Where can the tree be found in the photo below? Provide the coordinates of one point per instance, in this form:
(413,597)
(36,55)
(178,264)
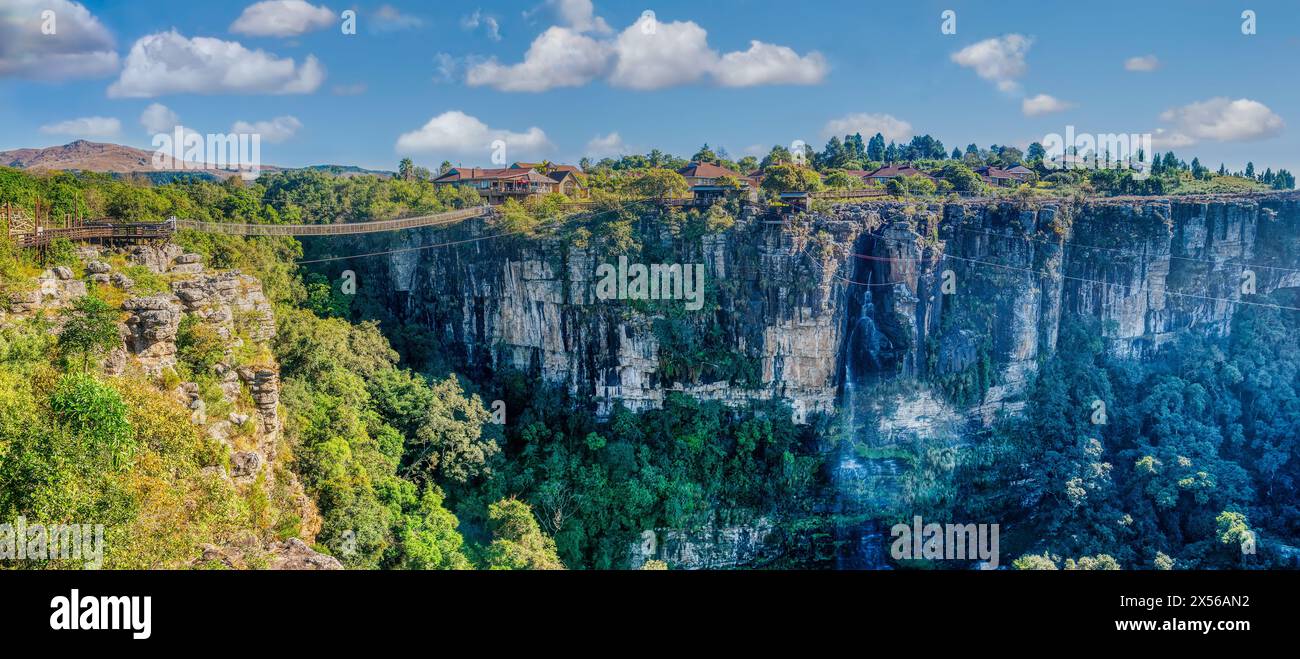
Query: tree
(90,328)
(517,541)
(1034,562)
(876,148)
(962,178)
(779,155)
(1036,153)
(427,535)
(1199,172)
(841,180)
(658,183)
(1250,170)
(447,443)
(406,169)
(791,178)
(94,412)
(1098,562)
(705,154)
(921,185)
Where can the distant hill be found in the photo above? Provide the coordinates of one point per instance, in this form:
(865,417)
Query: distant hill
(348,170)
(81,155)
(85,156)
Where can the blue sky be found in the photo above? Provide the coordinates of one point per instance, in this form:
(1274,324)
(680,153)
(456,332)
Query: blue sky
(599,84)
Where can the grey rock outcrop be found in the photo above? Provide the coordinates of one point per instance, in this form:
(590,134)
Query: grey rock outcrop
(151,331)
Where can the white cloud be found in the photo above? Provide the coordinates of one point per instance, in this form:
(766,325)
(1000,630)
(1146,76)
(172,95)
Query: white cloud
(85,127)
(1164,139)
(606,146)
(1000,59)
(1224,120)
(892,128)
(447,67)
(579,15)
(1144,64)
(455,132)
(560,57)
(389,19)
(1036,106)
(653,55)
(282,18)
(766,64)
(169,63)
(478,19)
(274,131)
(649,54)
(81,47)
(158,118)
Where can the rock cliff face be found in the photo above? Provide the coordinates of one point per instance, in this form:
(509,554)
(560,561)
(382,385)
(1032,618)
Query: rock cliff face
(826,302)
(914,323)
(245,379)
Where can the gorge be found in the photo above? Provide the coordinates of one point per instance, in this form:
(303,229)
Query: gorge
(896,333)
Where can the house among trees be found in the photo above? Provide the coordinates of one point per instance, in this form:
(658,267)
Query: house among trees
(997,176)
(570,181)
(570,177)
(890,172)
(710,182)
(498,185)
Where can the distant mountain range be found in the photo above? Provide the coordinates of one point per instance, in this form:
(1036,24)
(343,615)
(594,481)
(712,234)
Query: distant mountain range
(86,156)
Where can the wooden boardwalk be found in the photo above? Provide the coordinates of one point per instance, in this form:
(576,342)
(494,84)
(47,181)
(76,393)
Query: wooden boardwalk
(160,230)
(334,229)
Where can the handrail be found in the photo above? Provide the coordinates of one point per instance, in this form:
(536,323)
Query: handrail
(165,229)
(331,229)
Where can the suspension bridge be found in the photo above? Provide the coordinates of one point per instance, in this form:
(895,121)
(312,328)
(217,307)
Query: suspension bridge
(28,232)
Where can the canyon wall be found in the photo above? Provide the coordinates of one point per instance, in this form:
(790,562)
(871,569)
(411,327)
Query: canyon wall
(856,295)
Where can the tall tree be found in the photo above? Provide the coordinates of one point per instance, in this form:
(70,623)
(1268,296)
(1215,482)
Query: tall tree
(876,148)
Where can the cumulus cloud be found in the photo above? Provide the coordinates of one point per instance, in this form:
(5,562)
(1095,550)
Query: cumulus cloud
(158,118)
(1042,104)
(389,19)
(1224,120)
(649,54)
(606,146)
(766,64)
(282,18)
(274,131)
(455,132)
(1144,64)
(85,127)
(1000,59)
(169,63)
(560,57)
(1166,139)
(579,15)
(478,19)
(80,47)
(653,54)
(892,128)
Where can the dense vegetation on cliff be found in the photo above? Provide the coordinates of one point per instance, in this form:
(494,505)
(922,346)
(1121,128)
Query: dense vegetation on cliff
(1193,452)
(398,447)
